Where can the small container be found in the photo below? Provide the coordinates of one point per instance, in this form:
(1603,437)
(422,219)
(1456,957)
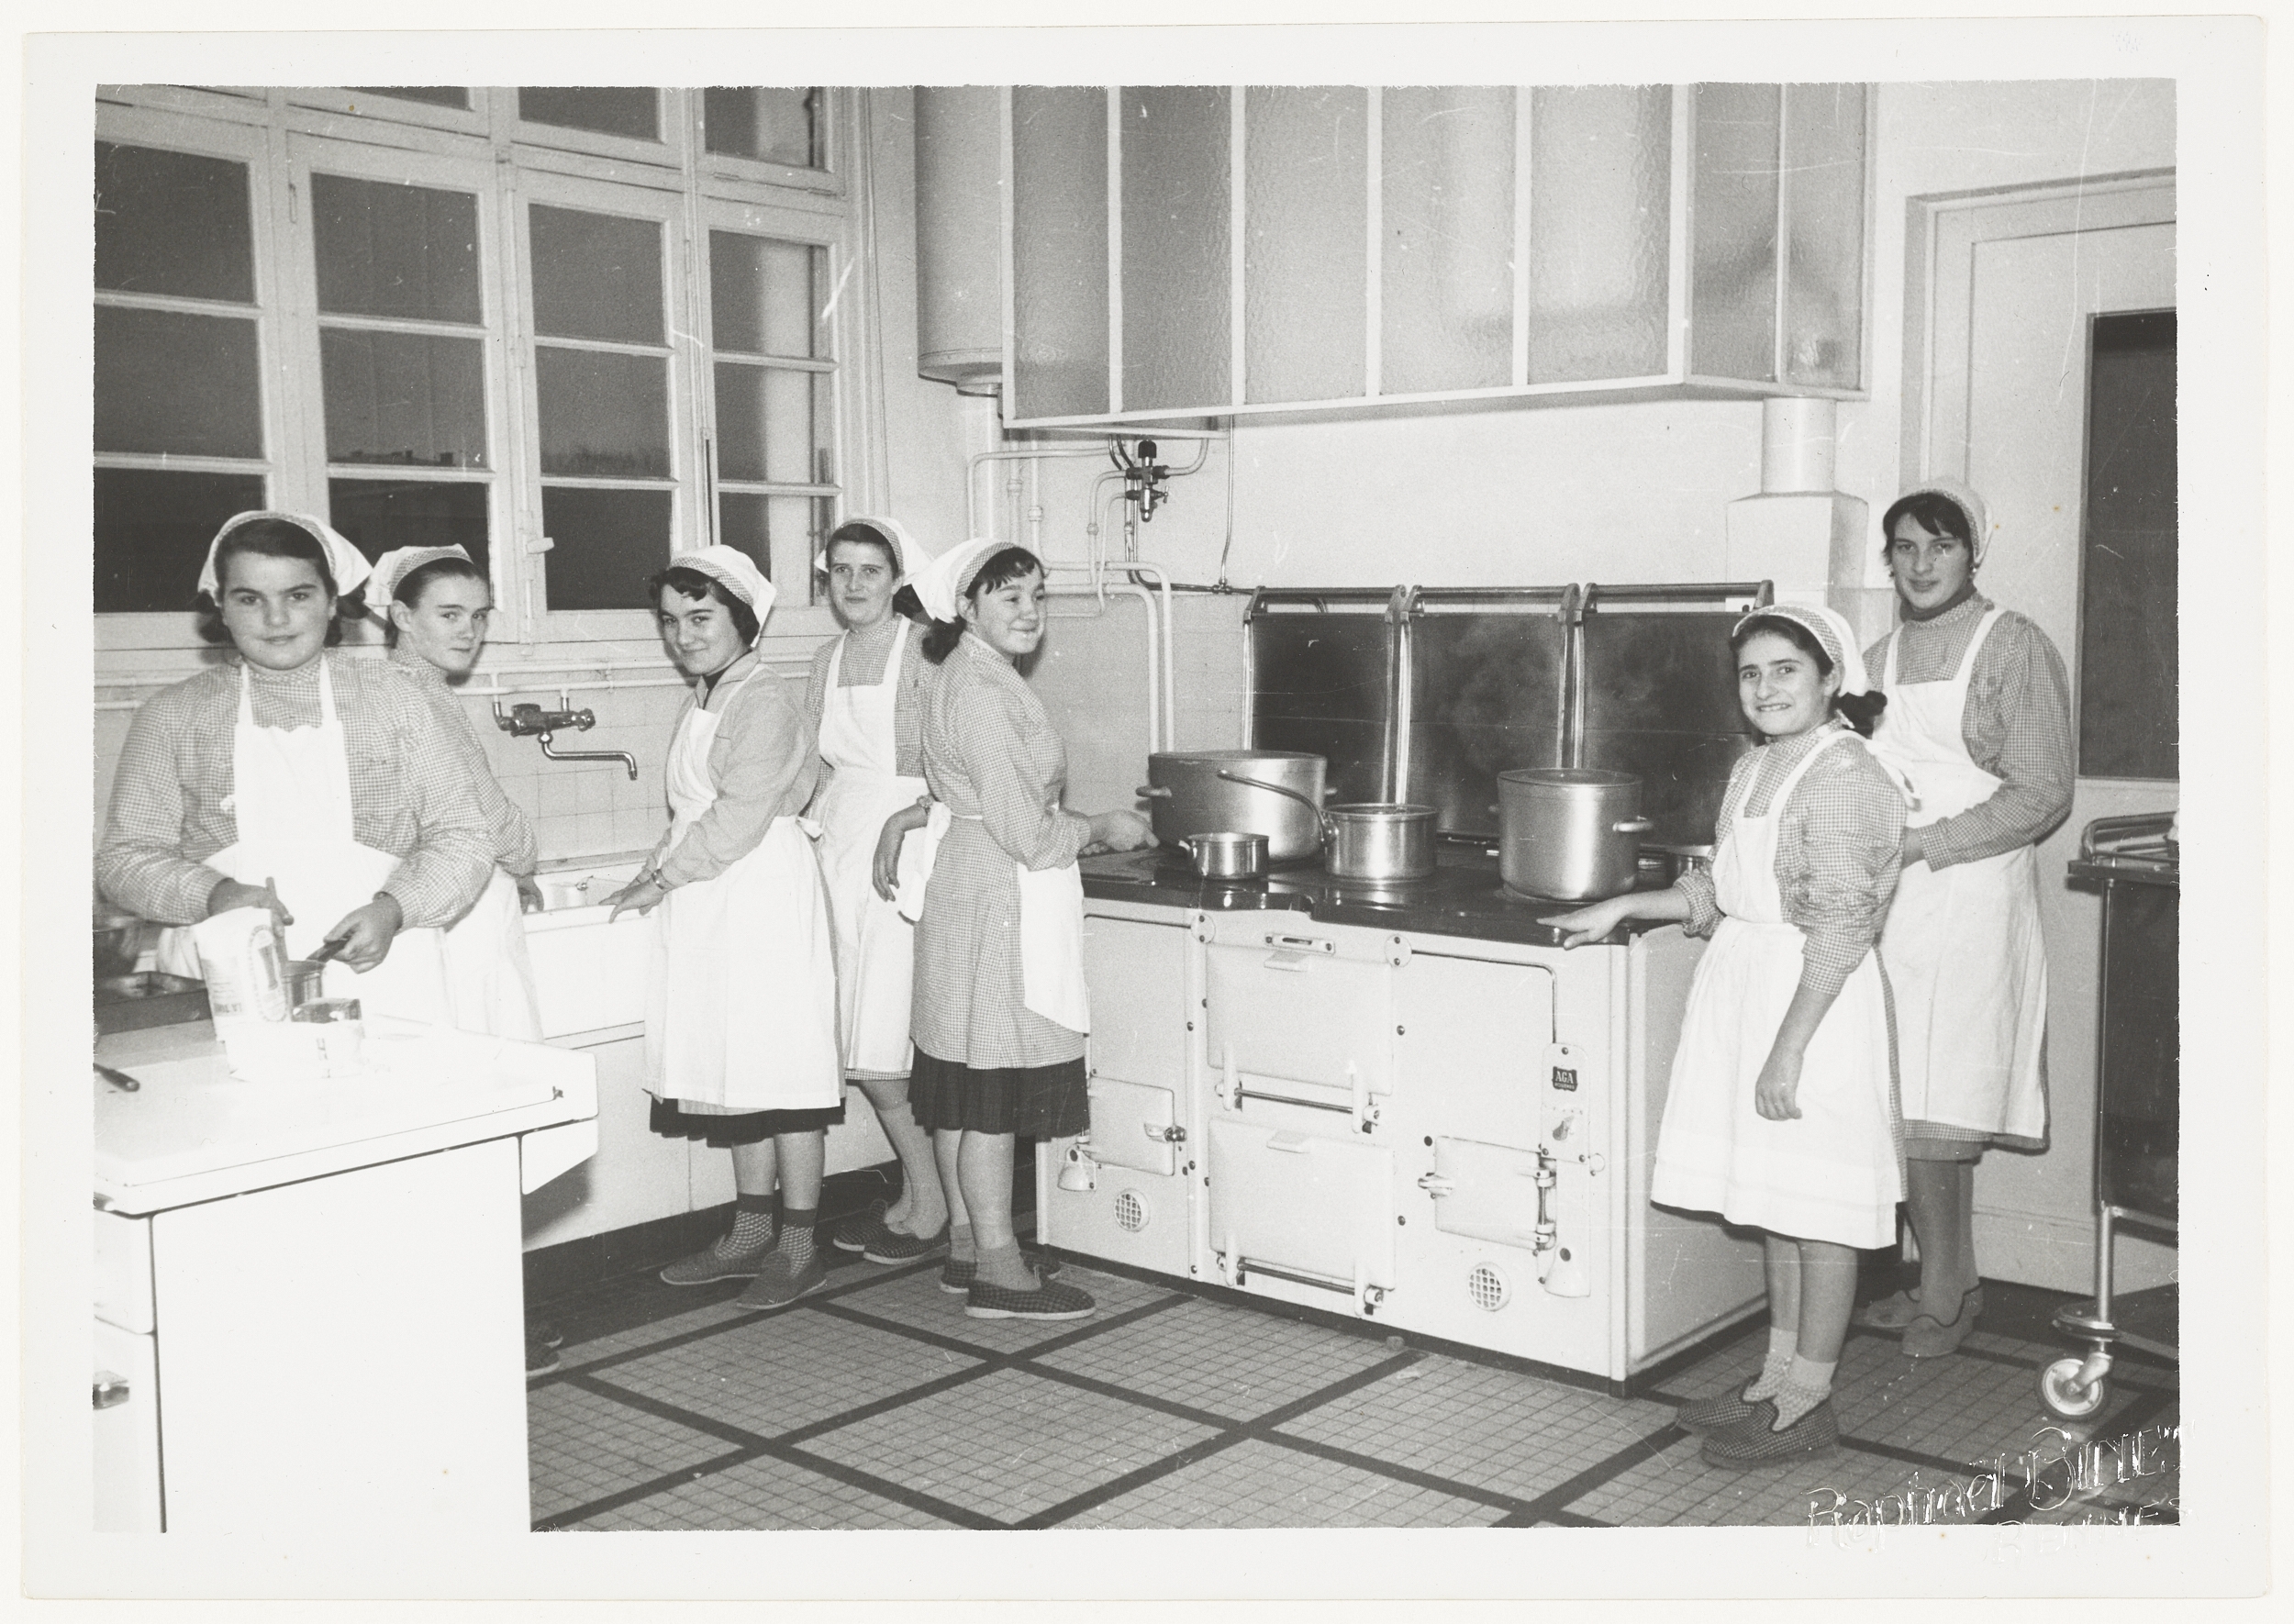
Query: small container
(341,1032)
(240,960)
(1227,855)
(305,982)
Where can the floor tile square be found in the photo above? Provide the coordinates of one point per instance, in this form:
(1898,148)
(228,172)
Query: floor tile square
(1261,1485)
(1493,1429)
(917,1300)
(574,1355)
(1009,1445)
(1224,1358)
(784,1371)
(582,1447)
(1675,1486)
(763,1494)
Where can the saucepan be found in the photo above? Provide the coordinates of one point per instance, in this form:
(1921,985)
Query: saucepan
(1226,855)
(1571,834)
(1192,793)
(1368,840)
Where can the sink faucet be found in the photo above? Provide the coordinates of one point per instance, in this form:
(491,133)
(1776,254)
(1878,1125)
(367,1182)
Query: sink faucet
(530,721)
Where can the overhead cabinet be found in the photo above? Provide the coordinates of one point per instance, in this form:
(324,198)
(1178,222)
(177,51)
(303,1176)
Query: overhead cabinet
(1178,251)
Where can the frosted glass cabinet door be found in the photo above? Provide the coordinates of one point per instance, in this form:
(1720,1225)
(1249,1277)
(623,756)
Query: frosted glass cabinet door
(1059,274)
(1824,191)
(1178,344)
(1733,301)
(1446,246)
(1305,248)
(1600,231)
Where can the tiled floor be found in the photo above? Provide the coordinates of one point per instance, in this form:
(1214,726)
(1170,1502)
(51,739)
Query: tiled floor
(875,1402)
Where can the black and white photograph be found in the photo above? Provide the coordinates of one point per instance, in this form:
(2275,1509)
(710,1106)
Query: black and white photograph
(1255,822)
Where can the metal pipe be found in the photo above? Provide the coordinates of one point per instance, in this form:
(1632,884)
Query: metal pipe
(980,459)
(1099,589)
(623,756)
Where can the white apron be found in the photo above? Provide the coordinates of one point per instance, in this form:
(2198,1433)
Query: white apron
(488,972)
(1832,1172)
(1962,943)
(291,799)
(1051,941)
(740,994)
(876,947)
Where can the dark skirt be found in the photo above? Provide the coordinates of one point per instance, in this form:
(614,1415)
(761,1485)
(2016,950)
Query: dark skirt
(1037,1102)
(746,1128)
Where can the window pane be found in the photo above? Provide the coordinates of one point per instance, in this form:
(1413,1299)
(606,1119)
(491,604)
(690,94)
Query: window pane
(617,110)
(1305,289)
(167,382)
(378,514)
(1446,190)
(603,416)
(1059,250)
(595,276)
(603,545)
(1600,231)
(755,523)
(385,249)
(777,123)
(1178,347)
(172,223)
(1823,295)
(1732,325)
(152,530)
(766,422)
(437,95)
(763,293)
(403,398)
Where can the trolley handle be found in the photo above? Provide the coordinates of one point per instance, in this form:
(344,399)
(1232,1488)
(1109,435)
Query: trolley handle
(2116,828)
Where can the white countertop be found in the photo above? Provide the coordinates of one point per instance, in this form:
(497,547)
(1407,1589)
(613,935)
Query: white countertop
(192,1132)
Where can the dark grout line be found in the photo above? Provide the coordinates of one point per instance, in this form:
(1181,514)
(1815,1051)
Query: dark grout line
(963,1517)
(890,1401)
(1177,1411)
(1905,1457)
(1568,1519)
(1645,1448)
(1002,1357)
(661,1410)
(557,1521)
(1340,1456)
(1138,1477)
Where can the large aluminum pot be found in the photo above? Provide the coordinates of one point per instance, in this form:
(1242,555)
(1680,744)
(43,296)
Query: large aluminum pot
(1571,834)
(1371,840)
(1187,796)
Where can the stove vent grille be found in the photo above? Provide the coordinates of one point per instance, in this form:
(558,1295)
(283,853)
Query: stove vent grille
(1488,1287)
(1130,1212)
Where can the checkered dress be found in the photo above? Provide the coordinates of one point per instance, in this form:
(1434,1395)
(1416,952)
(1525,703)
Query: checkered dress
(990,754)
(516,850)
(409,797)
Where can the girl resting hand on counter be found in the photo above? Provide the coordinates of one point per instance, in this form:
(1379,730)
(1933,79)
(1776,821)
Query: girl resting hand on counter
(1780,1113)
(300,779)
(1000,1011)
(741,1042)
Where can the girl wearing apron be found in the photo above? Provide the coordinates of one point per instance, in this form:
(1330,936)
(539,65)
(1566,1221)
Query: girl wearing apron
(1001,1012)
(1978,724)
(300,780)
(1779,1113)
(436,603)
(741,1044)
(865,697)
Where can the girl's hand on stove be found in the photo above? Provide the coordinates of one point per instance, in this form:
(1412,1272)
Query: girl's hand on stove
(1120,831)
(1591,922)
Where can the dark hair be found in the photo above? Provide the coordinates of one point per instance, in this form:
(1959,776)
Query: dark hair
(905,602)
(1003,567)
(420,580)
(1862,711)
(1933,512)
(279,537)
(697,585)
(867,535)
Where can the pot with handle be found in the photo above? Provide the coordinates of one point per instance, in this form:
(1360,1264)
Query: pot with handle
(1369,839)
(1189,793)
(1226,855)
(1569,834)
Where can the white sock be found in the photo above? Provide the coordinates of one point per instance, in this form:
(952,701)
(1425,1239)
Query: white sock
(1781,1342)
(1807,1385)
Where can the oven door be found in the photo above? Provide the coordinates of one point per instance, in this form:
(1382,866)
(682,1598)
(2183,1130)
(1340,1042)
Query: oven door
(1305,1208)
(1301,1006)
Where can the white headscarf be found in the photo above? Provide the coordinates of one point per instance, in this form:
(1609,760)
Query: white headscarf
(940,587)
(735,572)
(1963,497)
(382,586)
(345,564)
(912,557)
(1830,631)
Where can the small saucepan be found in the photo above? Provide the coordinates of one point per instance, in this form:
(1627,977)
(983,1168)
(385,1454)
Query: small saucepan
(1375,840)
(1226,855)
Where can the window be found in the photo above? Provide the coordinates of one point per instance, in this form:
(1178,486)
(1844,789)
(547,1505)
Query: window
(571,363)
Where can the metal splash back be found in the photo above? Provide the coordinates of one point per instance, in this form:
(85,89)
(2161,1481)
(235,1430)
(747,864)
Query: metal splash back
(1325,669)
(1487,692)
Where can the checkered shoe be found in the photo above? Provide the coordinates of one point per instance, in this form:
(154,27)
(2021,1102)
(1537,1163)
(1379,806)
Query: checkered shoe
(1755,1441)
(861,1230)
(955,1278)
(1052,1300)
(892,1247)
(1722,1410)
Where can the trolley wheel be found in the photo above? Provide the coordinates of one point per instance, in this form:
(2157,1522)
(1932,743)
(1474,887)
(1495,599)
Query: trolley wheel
(2060,1391)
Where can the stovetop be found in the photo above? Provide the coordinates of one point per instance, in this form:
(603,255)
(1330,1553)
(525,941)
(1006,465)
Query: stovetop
(1463,896)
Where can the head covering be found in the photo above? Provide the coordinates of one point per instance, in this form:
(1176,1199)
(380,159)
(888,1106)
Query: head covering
(940,586)
(1963,497)
(345,564)
(1832,633)
(382,586)
(912,557)
(735,572)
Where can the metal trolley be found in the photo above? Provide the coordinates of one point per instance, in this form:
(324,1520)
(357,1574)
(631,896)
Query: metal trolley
(2135,864)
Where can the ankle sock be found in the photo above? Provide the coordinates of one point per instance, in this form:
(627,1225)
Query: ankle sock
(795,1242)
(1781,1344)
(961,1247)
(1002,1266)
(753,1227)
(1807,1385)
